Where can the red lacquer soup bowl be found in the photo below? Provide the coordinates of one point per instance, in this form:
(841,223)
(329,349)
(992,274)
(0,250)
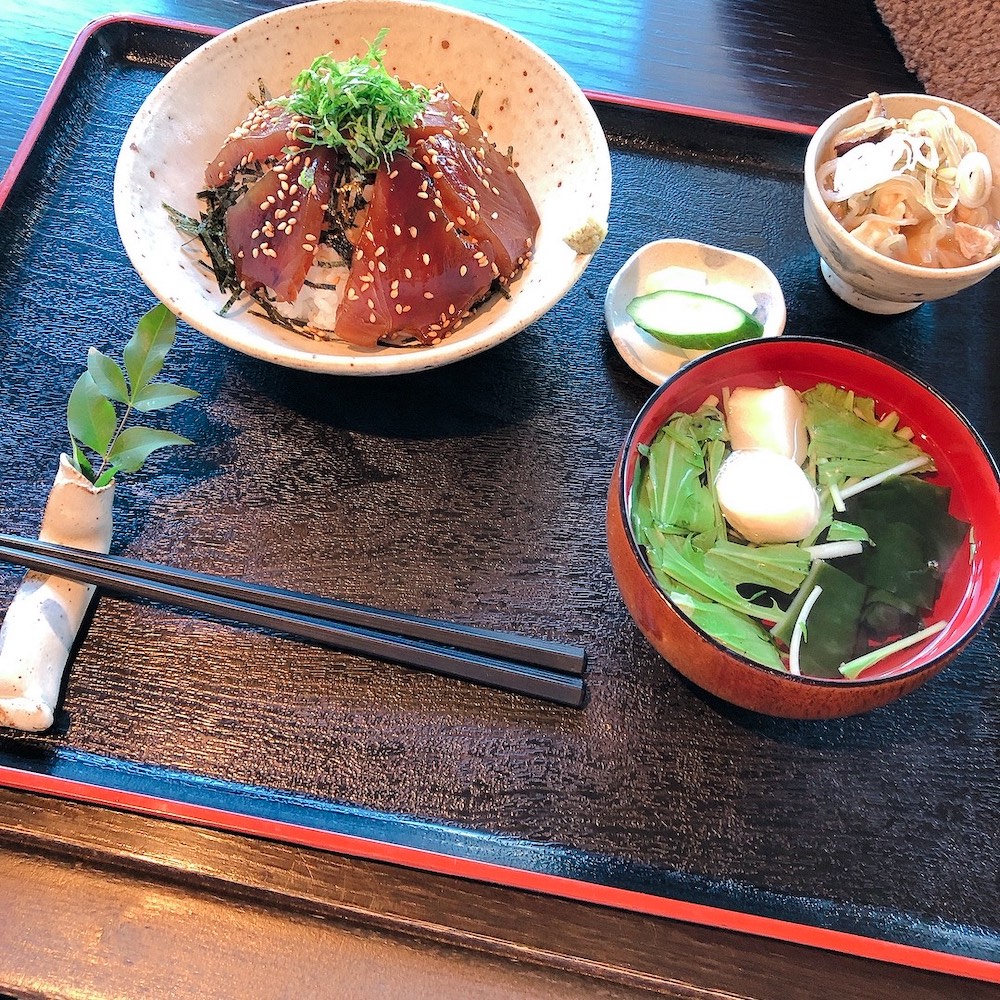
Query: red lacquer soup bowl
(970,588)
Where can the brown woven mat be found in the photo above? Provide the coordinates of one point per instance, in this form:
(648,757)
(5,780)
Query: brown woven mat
(953,46)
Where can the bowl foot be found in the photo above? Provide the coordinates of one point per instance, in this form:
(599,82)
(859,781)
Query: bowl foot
(859,300)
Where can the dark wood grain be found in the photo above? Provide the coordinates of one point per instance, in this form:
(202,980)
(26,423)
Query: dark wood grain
(300,923)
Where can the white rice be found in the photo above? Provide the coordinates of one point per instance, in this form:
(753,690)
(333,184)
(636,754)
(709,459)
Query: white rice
(316,304)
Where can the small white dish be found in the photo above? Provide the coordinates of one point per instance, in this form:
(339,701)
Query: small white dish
(728,274)
(529,103)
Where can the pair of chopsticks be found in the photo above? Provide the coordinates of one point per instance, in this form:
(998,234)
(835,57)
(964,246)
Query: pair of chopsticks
(538,668)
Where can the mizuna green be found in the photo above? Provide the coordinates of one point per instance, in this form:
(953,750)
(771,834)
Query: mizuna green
(754,598)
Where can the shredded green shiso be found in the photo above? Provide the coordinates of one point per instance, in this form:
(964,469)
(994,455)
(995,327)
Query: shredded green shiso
(760,600)
(355,106)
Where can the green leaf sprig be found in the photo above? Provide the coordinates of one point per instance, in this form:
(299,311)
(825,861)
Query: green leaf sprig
(92,417)
(355,106)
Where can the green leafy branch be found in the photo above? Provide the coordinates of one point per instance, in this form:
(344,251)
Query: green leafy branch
(92,417)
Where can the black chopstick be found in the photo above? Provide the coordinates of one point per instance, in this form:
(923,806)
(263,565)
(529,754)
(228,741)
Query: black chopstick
(557,656)
(501,665)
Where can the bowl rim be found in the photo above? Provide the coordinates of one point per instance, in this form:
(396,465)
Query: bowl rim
(813,195)
(299,352)
(623,489)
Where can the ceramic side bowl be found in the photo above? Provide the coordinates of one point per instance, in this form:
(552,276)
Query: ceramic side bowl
(970,589)
(738,276)
(528,103)
(859,275)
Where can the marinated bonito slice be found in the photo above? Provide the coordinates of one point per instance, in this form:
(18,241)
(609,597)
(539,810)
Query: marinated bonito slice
(443,114)
(413,271)
(273,231)
(478,184)
(267,135)
(480,189)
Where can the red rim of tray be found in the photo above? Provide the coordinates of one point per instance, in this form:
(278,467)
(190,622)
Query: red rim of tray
(431,861)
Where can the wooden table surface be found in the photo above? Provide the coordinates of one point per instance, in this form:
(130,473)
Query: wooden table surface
(102,903)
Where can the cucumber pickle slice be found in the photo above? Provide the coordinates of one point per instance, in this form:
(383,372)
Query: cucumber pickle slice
(693,319)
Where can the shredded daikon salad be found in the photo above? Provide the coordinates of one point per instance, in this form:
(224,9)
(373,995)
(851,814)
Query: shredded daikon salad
(917,190)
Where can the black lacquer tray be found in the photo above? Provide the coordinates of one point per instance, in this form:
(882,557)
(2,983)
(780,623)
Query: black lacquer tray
(476,492)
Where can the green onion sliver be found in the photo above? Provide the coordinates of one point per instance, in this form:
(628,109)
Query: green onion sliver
(798,629)
(846,492)
(852,668)
(834,550)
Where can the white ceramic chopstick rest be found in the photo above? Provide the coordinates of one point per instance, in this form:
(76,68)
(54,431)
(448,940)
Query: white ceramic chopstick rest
(46,612)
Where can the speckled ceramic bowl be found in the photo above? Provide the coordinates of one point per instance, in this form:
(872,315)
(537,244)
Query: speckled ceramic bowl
(970,588)
(863,277)
(528,103)
(723,270)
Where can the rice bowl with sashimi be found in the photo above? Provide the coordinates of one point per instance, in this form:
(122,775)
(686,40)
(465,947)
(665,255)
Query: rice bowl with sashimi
(498,212)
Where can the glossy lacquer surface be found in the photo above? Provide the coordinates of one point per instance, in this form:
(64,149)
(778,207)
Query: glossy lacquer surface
(477,492)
